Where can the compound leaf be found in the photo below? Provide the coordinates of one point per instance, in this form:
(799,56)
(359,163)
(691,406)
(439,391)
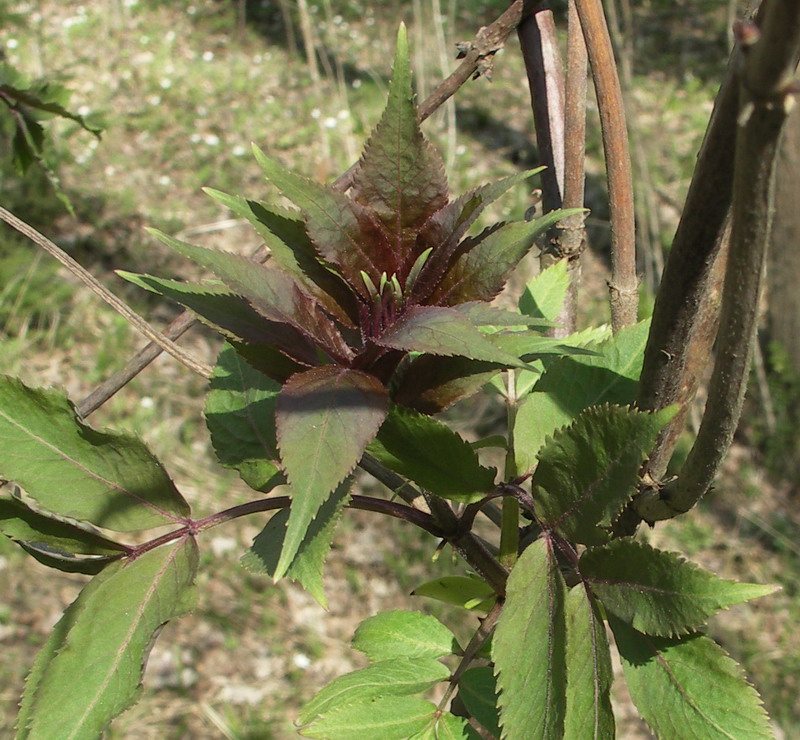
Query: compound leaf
(403,634)
(240,414)
(325,419)
(589,672)
(529,647)
(109,479)
(432,455)
(656,592)
(103,642)
(689,687)
(589,471)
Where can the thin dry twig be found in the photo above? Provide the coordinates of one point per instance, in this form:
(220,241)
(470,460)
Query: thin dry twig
(623,287)
(100,290)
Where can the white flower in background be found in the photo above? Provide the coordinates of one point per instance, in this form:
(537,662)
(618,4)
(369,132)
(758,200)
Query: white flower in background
(330,122)
(164,180)
(301,660)
(238,151)
(316,113)
(165,83)
(208,56)
(211,139)
(12,44)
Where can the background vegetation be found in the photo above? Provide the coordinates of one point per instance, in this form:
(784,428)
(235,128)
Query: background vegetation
(182,88)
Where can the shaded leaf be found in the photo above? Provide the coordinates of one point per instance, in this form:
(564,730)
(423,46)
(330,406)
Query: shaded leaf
(309,562)
(572,384)
(325,419)
(273,293)
(530,345)
(386,718)
(544,296)
(345,233)
(22,524)
(400,176)
(589,671)
(285,236)
(463,591)
(403,634)
(588,471)
(483,314)
(240,414)
(689,687)
(432,455)
(131,600)
(395,677)
(433,383)
(529,647)
(656,592)
(440,330)
(477,689)
(231,315)
(446,727)
(109,479)
(482,272)
(66,562)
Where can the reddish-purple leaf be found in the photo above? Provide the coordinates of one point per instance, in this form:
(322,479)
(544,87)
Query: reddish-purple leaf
(325,419)
(401,177)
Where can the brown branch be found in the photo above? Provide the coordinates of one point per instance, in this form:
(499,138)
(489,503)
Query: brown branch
(770,60)
(623,286)
(100,290)
(539,45)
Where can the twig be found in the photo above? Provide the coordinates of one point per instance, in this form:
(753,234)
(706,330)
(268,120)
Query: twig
(623,286)
(770,61)
(96,287)
(539,46)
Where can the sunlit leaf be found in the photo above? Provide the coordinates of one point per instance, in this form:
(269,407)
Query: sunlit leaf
(463,591)
(394,677)
(659,593)
(109,479)
(309,562)
(446,727)
(432,455)
(403,634)
(240,414)
(385,718)
(545,294)
(325,419)
(588,471)
(589,672)
(529,648)
(400,176)
(689,688)
(92,669)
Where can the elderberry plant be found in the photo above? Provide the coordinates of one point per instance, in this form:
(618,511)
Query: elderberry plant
(372,315)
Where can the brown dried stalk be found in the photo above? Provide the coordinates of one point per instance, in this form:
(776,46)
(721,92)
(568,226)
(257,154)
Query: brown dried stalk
(623,290)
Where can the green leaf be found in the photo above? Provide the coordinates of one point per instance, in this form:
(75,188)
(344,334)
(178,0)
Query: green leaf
(233,317)
(66,562)
(403,634)
(22,524)
(482,272)
(590,470)
(432,455)
(326,417)
(572,384)
(531,345)
(346,234)
(395,677)
(90,675)
(483,314)
(109,479)
(240,414)
(589,672)
(309,562)
(463,591)
(386,718)
(689,688)
(529,647)
(446,727)
(544,296)
(659,593)
(433,383)
(477,689)
(401,176)
(440,330)
(285,235)
(273,293)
